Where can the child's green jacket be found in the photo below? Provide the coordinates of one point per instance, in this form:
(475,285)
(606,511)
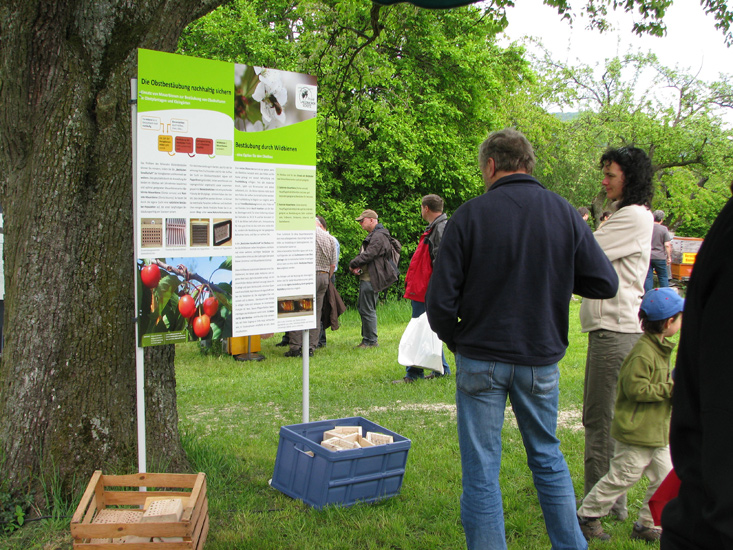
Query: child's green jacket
(644,394)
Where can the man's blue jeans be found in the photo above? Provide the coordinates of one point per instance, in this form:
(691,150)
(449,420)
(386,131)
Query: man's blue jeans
(660,266)
(482,388)
(418,308)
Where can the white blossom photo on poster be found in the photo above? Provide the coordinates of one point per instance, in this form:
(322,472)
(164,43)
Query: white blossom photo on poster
(264,98)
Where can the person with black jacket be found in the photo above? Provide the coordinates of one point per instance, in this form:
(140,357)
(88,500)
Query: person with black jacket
(701,439)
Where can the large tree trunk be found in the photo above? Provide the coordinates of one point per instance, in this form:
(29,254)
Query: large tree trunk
(67,378)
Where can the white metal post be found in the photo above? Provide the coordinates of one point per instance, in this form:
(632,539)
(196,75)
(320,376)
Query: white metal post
(306,374)
(139,351)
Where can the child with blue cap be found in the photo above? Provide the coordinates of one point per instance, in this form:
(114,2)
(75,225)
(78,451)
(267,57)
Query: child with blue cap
(640,425)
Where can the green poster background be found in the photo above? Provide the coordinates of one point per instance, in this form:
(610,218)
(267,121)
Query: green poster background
(294,144)
(171,81)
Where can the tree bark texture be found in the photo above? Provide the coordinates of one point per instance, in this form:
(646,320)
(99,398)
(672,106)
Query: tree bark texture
(67,377)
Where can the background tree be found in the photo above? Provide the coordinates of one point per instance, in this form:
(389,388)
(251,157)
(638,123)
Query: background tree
(67,378)
(682,130)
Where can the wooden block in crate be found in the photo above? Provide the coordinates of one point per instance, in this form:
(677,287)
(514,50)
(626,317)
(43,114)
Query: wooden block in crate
(150,500)
(164,509)
(379,439)
(106,496)
(108,515)
(338,444)
(347,429)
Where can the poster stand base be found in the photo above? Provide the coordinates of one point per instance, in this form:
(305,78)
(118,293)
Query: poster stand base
(249,357)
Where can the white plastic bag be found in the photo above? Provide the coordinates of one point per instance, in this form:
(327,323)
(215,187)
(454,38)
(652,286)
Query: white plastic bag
(420,346)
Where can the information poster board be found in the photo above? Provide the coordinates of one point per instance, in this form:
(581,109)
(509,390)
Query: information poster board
(224,199)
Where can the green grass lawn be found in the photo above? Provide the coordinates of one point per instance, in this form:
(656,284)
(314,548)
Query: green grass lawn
(231,413)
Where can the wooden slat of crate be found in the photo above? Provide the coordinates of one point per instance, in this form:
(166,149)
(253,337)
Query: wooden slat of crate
(91,511)
(150,480)
(86,500)
(193,512)
(116,530)
(137,498)
(202,524)
(198,492)
(186,545)
(204,533)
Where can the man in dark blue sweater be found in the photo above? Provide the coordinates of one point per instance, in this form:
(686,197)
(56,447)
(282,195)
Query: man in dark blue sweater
(508,265)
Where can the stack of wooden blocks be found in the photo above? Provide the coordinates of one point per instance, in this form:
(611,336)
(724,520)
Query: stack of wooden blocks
(341,438)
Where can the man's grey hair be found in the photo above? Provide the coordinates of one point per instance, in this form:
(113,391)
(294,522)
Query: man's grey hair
(659,215)
(511,151)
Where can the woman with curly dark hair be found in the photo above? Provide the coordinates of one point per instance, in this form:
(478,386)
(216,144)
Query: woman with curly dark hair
(613,325)
(636,168)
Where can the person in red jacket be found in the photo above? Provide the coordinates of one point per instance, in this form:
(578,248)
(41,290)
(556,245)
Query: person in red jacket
(421,268)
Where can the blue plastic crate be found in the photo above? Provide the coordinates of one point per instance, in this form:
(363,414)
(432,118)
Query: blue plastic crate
(338,477)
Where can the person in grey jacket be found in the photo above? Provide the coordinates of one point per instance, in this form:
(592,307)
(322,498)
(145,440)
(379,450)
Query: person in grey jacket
(420,270)
(376,267)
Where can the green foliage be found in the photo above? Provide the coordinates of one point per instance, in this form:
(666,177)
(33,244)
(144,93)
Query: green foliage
(251,32)
(12,511)
(682,131)
(39,525)
(402,118)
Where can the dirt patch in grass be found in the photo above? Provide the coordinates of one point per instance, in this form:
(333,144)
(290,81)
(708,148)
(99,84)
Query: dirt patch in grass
(570,419)
(215,418)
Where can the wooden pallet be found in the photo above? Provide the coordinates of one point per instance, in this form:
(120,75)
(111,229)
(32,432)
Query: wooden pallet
(109,513)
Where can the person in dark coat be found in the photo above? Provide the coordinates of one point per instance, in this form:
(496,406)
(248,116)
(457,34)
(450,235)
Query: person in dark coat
(509,263)
(701,437)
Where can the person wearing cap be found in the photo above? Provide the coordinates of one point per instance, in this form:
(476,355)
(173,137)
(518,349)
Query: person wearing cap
(640,426)
(377,269)
(661,256)
(509,262)
(613,324)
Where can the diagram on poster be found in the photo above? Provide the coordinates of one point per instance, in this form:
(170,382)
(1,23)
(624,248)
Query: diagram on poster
(225,198)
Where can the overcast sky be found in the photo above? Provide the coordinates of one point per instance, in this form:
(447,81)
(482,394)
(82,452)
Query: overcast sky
(692,41)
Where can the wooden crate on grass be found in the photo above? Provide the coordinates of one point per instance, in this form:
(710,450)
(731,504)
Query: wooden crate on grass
(110,513)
